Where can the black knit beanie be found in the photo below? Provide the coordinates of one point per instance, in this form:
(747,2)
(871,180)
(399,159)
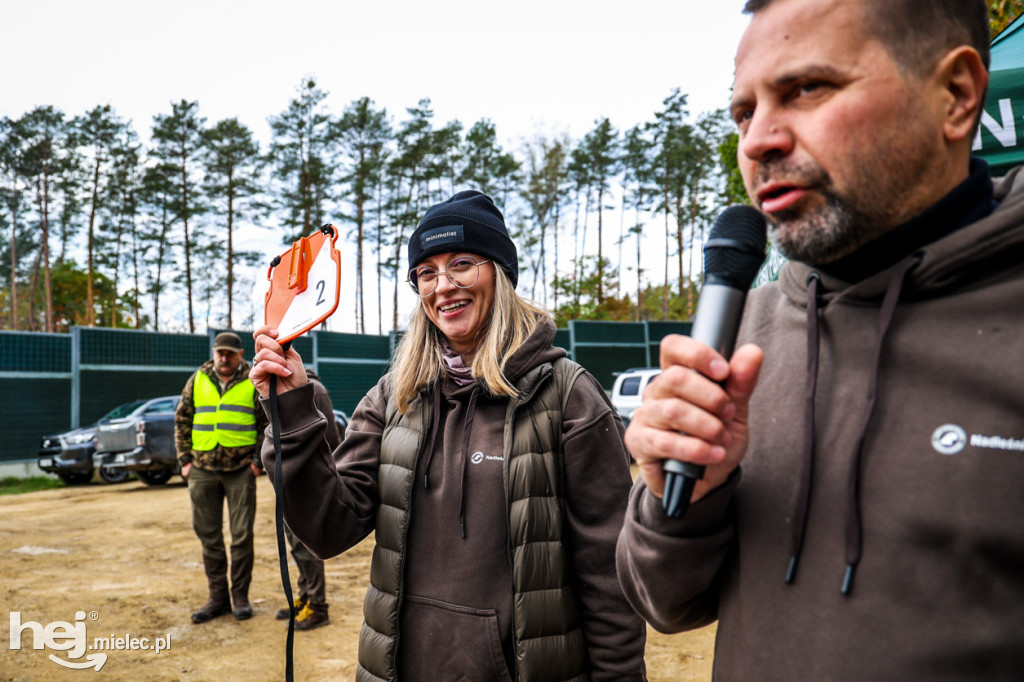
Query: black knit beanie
(469,222)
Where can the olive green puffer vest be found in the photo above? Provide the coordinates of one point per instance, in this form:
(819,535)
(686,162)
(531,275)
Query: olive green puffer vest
(549,641)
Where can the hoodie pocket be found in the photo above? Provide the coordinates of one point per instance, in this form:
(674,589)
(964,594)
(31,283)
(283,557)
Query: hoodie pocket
(446,642)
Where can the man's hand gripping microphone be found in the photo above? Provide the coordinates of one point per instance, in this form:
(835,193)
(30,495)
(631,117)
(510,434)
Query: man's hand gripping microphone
(732,257)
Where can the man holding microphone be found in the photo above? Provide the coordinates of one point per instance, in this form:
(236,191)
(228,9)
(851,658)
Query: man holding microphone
(859,516)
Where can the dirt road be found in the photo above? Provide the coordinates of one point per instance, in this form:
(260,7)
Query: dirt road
(126,557)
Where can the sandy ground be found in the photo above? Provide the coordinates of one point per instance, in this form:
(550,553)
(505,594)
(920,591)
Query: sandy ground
(126,557)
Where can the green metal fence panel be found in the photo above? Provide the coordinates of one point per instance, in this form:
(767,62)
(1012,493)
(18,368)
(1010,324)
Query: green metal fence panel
(34,352)
(113,347)
(302,345)
(54,382)
(350,364)
(604,364)
(104,389)
(354,346)
(599,331)
(563,340)
(32,407)
(607,348)
(36,376)
(657,330)
(348,382)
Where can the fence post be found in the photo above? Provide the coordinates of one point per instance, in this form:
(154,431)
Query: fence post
(572,339)
(647,344)
(76,383)
(315,337)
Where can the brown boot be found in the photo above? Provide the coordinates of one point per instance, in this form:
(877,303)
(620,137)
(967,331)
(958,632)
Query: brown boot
(312,616)
(243,610)
(217,582)
(210,610)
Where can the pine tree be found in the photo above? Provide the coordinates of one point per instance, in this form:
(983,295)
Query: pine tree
(68,182)
(671,139)
(545,175)
(1002,13)
(362,133)
(706,194)
(97,131)
(13,168)
(446,157)
(579,175)
(735,192)
(410,169)
(637,191)
(380,232)
(233,165)
(45,131)
(158,194)
(301,159)
(482,159)
(179,144)
(600,154)
(116,234)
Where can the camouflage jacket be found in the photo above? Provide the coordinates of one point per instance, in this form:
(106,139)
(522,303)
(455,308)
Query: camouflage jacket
(221,458)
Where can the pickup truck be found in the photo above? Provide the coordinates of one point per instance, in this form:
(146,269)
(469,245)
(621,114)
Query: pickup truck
(141,442)
(69,454)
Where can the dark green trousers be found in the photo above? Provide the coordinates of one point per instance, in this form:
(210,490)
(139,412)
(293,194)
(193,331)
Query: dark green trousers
(208,491)
(312,587)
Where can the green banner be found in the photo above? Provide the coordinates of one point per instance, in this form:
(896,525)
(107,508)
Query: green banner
(1000,140)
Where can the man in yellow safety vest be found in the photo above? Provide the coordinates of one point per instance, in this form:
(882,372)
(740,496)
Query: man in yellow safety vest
(218,433)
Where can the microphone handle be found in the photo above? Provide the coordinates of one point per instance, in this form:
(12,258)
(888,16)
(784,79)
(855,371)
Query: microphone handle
(716,323)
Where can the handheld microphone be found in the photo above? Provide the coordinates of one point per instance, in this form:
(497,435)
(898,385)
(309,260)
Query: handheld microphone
(732,257)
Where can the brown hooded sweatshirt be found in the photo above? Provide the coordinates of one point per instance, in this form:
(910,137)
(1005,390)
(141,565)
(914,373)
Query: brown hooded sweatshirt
(886,458)
(456,608)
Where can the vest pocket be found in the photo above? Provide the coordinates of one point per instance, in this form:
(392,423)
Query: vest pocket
(442,641)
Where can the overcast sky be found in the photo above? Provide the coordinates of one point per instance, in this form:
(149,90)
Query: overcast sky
(527,65)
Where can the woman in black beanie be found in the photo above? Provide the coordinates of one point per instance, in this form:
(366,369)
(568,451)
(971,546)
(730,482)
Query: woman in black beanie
(491,469)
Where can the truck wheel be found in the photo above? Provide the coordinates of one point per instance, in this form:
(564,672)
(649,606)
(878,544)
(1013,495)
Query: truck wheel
(111,474)
(77,478)
(155,477)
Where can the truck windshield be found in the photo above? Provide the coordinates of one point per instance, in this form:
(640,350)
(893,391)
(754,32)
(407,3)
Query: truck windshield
(122,411)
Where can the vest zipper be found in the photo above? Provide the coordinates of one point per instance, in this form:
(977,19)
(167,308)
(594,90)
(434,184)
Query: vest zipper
(405,532)
(507,452)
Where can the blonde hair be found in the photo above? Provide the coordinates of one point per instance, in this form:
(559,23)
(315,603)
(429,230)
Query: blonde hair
(418,360)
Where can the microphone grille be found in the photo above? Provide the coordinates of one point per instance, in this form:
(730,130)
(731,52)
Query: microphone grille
(736,246)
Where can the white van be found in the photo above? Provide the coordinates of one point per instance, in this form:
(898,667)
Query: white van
(628,390)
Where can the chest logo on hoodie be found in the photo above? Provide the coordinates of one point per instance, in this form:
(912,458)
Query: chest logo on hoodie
(949,439)
(478,457)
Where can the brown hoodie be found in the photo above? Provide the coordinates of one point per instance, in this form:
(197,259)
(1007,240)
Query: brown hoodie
(917,503)
(457,588)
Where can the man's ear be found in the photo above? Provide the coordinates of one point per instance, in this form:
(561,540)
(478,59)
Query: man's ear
(964,80)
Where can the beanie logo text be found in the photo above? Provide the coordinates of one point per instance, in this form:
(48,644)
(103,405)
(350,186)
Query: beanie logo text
(448,234)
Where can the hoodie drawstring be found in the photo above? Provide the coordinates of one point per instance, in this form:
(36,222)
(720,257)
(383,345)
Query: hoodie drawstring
(433,434)
(470,410)
(854,530)
(803,500)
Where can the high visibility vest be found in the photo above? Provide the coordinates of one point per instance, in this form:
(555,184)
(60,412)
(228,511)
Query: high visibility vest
(228,420)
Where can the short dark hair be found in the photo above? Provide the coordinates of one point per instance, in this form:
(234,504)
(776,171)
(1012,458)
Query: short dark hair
(917,32)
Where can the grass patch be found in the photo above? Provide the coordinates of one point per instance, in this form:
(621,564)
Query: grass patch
(12,485)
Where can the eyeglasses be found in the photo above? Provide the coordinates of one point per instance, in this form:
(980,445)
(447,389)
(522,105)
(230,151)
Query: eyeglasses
(463,272)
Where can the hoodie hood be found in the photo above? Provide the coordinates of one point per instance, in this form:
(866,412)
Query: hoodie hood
(537,350)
